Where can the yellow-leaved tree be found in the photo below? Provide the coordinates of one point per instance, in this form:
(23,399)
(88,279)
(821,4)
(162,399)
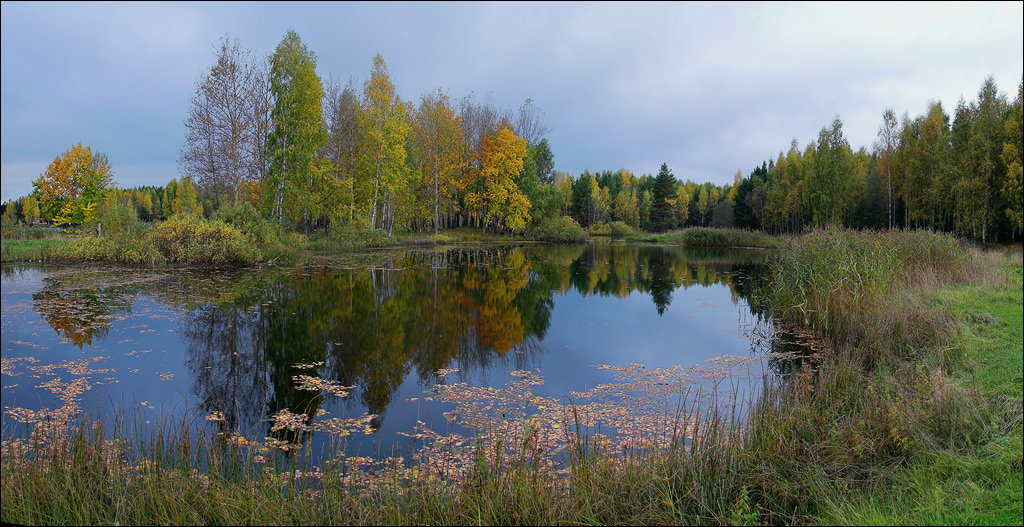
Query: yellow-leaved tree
(381,166)
(70,190)
(501,156)
(440,144)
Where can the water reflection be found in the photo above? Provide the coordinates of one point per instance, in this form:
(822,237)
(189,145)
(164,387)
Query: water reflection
(247,335)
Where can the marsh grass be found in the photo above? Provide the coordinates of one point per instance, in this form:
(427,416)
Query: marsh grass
(898,393)
(29,250)
(544,461)
(711,237)
(19,243)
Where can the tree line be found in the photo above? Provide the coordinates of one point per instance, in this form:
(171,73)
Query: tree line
(269,132)
(960,175)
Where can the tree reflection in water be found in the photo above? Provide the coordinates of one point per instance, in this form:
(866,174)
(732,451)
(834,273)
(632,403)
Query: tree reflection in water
(248,334)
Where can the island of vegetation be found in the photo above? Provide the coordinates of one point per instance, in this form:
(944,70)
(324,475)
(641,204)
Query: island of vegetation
(911,412)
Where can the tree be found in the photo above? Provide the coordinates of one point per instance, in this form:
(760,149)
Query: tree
(344,141)
(625,207)
(170,193)
(1012,149)
(145,204)
(223,124)
(530,123)
(662,215)
(30,209)
(477,120)
(826,184)
(986,145)
(644,209)
(385,130)
(886,146)
(297,187)
(930,175)
(704,204)
(582,195)
(501,160)
(543,162)
(185,201)
(70,190)
(440,147)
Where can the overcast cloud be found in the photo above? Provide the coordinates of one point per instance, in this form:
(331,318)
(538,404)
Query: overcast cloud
(707,88)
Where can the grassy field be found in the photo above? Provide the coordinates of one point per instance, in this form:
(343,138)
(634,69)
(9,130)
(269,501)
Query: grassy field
(28,250)
(911,414)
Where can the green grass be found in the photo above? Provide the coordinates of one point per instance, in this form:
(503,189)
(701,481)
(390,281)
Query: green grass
(20,243)
(966,486)
(29,250)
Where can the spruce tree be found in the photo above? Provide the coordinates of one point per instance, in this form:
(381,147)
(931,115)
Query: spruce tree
(662,216)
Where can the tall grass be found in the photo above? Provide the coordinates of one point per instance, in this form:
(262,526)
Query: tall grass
(860,288)
(712,237)
(168,474)
(883,396)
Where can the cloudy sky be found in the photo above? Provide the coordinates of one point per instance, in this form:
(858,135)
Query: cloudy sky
(707,88)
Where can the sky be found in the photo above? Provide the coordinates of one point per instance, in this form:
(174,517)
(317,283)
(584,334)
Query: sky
(708,88)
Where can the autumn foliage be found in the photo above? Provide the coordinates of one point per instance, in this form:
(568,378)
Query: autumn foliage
(72,186)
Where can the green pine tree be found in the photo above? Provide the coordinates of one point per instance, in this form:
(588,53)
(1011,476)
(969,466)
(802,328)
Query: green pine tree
(662,215)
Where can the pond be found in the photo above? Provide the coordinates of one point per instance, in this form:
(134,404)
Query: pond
(392,348)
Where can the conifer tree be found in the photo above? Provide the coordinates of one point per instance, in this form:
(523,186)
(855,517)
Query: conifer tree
(662,214)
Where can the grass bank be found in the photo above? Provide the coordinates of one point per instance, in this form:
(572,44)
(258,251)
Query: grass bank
(19,243)
(980,483)
(914,416)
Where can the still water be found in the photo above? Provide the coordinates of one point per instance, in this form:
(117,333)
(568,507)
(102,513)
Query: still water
(361,341)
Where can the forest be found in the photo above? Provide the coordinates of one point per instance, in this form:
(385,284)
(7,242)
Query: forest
(312,154)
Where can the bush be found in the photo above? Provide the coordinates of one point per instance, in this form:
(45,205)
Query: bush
(120,247)
(621,229)
(599,229)
(355,234)
(191,240)
(560,230)
(257,230)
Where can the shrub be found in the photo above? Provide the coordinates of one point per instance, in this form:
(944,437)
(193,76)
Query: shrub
(191,240)
(599,229)
(560,230)
(621,229)
(356,234)
(244,218)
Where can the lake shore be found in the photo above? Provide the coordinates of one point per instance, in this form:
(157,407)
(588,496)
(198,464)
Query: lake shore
(140,249)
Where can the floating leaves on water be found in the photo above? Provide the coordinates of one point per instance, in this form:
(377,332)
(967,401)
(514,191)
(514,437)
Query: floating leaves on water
(286,419)
(7,365)
(316,384)
(216,416)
